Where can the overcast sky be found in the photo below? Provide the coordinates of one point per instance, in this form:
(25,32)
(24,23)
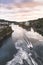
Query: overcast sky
(18,1)
(31,9)
(14,1)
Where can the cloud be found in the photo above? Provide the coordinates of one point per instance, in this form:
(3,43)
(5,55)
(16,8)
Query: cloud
(27,0)
(38,0)
(22,14)
(6,1)
(14,1)
(18,1)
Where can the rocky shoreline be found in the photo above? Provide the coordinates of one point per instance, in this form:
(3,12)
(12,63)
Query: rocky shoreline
(5,33)
(37,24)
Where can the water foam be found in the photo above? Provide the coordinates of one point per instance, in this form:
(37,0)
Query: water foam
(23,45)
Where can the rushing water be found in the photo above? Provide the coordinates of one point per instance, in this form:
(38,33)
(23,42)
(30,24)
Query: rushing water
(22,48)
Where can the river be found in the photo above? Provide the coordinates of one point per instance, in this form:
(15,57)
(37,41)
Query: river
(22,48)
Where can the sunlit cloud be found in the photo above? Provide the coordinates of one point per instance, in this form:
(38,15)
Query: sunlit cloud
(21,15)
(22,12)
(38,0)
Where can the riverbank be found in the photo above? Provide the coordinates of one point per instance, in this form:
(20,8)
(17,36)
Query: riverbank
(37,25)
(5,32)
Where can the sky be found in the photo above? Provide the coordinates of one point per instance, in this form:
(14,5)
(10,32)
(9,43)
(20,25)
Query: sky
(18,1)
(14,1)
(21,10)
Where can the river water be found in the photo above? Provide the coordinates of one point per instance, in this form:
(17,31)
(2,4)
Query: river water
(22,48)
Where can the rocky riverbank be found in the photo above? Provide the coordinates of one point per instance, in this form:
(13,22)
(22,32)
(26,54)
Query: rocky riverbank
(37,25)
(5,32)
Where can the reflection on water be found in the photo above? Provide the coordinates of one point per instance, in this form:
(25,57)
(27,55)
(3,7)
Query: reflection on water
(22,48)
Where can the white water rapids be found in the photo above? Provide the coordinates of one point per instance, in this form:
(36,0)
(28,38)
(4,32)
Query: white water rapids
(25,55)
(22,48)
